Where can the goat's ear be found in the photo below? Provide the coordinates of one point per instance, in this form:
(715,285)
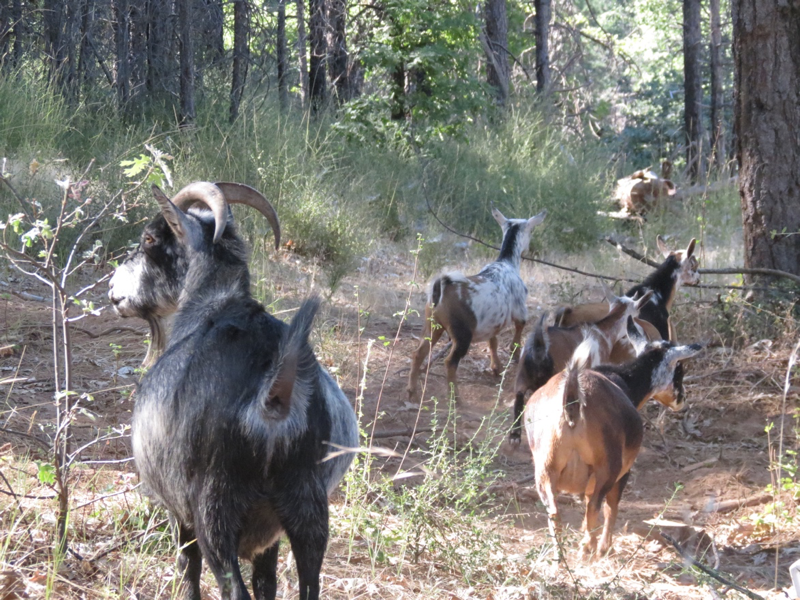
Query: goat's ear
(537,220)
(636,336)
(690,248)
(643,300)
(175,217)
(498,216)
(662,246)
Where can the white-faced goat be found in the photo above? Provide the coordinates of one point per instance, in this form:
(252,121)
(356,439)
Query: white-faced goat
(477,308)
(548,350)
(232,422)
(679,268)
(585,431)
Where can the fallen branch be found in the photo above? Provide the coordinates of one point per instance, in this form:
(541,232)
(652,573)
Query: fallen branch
(730,271)
(378,435)
(708,570)
(731,505)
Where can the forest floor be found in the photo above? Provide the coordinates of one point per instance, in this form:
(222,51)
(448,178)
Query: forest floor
(695,473)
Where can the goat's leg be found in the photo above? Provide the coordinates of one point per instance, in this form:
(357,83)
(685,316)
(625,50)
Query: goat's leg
(221,554)
(190,563)
(519,405)
(606,479)
(547,493)
(462,337)
(304,515)
(265,573)
(430,335)
(495,364)
(610,512)
(516,343)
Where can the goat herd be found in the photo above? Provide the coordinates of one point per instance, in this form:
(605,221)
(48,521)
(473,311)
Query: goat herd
(235,417)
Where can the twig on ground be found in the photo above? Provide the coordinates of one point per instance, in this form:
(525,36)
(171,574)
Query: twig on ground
(708,570)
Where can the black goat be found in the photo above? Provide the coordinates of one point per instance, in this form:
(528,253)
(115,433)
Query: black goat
(231,422)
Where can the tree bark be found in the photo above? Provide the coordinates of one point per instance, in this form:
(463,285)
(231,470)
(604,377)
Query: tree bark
(241,54)
(86,60)
(496,20)
(213,23)
(338,64)
(717,126)
(18,28)
(302,51)
(121,27)
(137,52)
(186,45)
(56,21)
(542,34)
(693,92)
(283,84)
(319,55)
(398,93)
(766,49)
(161,27)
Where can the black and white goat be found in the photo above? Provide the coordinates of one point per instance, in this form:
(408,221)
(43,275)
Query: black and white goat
(232,422)
(477,308)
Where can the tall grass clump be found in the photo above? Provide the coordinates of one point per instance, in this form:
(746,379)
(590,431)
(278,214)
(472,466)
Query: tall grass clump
(522,166)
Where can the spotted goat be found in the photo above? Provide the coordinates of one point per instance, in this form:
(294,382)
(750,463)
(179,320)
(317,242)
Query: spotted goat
(477,308)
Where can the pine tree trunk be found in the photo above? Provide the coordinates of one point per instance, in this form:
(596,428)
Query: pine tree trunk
(187,62)
(693,92)
(319,54)
(302,51)
(160,73)
(717,132)
(497,40)
(766,49)
(283,84)
(338,65)
(138,46)
(241,54)
(542,34)
(121,43)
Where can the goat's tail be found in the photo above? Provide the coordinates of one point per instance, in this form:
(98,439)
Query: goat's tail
(295,364)
(536,346)
(581,360)
(436,289)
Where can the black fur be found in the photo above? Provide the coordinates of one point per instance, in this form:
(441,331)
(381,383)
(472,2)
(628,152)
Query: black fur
(507,250)
(234,463)
(535,370)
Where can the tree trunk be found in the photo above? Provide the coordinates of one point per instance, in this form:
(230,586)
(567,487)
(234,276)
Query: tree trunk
(497,41)
(319,54)
(213,22)
(137,53)
(717,131)
(302,50)
(398,93)
(18,27)
(766,49)
(542,25)
(241,53)
(338,66)
(283,84)
(56,19)
(87,59)
(161,24)
(122,44)
(187,62)
(693,92)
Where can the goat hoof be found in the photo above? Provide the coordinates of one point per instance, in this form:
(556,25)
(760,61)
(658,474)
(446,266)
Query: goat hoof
(515,439)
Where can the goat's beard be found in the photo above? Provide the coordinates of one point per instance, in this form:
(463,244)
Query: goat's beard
(159,330)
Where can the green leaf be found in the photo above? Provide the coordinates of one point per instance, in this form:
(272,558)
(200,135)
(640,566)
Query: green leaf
(47,473)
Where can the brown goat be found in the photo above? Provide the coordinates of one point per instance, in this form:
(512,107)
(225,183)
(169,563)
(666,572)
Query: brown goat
(549,349)
(584,431)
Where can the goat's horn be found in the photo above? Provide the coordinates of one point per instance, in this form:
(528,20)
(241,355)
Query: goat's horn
(210,195)
(238,193)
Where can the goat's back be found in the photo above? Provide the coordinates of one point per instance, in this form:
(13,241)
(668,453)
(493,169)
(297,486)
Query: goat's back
(199,436)
(608,428)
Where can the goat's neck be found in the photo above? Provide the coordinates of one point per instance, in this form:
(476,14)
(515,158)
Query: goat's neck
(214,281)
(663,281)
(512,247)
(638,378)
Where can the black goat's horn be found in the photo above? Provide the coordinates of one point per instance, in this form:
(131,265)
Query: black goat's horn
(238,193)
(210,195)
